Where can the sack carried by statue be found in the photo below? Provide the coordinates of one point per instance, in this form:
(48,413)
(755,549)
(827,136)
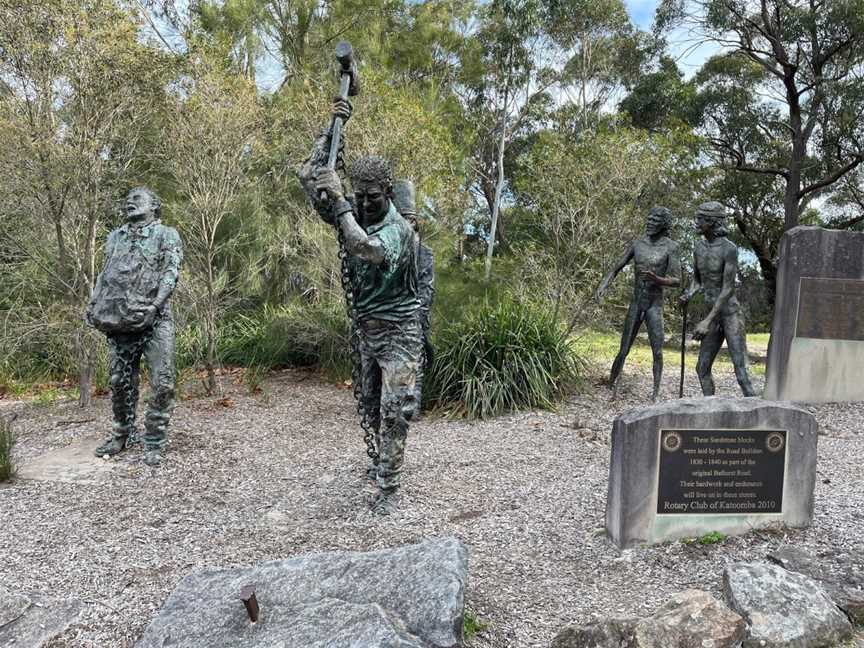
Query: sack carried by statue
(120,314)
(128,285)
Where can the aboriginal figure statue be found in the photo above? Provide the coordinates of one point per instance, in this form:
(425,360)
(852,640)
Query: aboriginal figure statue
(404,199)
(380,277)
(657,265)
(715,266)
(130,305)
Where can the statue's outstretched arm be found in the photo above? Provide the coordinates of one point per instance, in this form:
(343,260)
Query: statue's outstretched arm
(610,276)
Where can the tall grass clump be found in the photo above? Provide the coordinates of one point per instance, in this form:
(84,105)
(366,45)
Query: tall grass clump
(503,357)
(7,442)
(296,334)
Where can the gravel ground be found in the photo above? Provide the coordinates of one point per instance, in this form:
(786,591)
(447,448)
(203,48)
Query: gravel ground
(257,477)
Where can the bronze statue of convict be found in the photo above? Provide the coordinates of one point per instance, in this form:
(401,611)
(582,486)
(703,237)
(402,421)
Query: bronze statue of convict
(715,266)
(657,265)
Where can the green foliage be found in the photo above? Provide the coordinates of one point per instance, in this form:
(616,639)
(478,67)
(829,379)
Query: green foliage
(293,335)
(711,538)
(500,357)
(660,98)
(7,442)
(593,203)
(471,625)
(38,345)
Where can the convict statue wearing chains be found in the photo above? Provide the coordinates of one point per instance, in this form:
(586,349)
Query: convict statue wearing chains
(382,276)
(130,305)
(715,266)
(404,198)
(657,265)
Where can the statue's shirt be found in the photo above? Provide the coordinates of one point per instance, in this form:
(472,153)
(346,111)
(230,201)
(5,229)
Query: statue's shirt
(138,261)
(388,291)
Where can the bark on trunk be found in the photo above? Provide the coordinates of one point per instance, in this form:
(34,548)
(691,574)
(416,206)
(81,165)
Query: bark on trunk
(86,368)
(496,207)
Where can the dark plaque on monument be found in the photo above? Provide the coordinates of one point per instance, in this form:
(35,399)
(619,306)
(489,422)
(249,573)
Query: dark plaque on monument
(721,471)
(830,309)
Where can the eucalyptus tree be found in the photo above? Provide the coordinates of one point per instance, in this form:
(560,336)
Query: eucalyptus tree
(506,74)
(785,96)
(601,52)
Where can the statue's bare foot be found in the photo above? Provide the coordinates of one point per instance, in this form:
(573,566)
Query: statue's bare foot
(385,503)
(110,448)
(153,458)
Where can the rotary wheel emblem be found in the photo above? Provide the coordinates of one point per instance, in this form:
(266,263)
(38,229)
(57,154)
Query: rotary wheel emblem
(775,442)
(672,441)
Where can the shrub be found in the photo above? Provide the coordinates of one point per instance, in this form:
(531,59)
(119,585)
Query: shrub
(295,334)
(508,356)
(7,442)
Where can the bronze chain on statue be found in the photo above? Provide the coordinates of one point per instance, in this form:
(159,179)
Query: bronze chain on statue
(354,345)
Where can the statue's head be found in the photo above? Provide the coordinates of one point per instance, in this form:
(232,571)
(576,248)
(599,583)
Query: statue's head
(372,179)
(142,204)
(659,221)
(711,219)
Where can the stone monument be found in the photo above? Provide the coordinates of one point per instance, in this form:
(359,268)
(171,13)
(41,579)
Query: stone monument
(689,467)
(816,352)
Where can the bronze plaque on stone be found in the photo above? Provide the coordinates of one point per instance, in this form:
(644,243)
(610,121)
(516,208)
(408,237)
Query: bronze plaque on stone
(830,309)
(721,471)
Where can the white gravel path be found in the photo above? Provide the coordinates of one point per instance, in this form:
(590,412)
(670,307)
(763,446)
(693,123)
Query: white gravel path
(274,475)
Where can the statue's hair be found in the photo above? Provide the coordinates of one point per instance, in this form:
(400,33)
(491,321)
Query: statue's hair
(154,198)
(373,168)
(714,213)
(664,214)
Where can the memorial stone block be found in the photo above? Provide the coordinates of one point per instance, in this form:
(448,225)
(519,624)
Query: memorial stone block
(689,467)
(816,353)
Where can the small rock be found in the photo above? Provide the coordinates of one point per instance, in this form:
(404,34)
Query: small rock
(690,619)
(612,633)
(406,597)
(842,577)
(783,609)
(32,621)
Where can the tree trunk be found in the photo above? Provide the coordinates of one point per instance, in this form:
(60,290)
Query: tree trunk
(210,357)
(86,367)
(210,324)
(791,197)
(793,182)
(496,207)
(769,275)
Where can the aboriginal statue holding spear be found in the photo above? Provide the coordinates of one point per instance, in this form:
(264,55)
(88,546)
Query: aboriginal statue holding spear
(379,275)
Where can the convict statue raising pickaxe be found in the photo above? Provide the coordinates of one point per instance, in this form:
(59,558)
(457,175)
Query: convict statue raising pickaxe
(379,275)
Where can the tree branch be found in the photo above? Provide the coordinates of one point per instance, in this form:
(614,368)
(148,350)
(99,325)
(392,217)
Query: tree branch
(832,177)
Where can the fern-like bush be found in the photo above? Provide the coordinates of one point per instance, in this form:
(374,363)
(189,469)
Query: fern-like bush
(508,356)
